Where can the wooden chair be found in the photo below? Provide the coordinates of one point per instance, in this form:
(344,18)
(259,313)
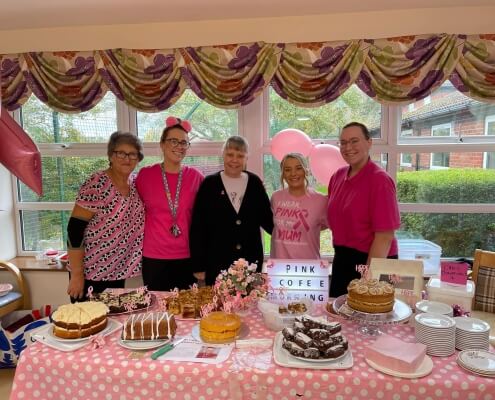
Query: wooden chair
(484,278)
(17,299)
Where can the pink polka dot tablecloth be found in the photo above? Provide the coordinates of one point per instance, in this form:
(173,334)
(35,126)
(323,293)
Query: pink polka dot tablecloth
(114,373)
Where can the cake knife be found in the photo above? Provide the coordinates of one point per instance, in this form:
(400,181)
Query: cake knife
(166,349)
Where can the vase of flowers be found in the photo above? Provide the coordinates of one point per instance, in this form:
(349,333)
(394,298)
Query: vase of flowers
(240,286)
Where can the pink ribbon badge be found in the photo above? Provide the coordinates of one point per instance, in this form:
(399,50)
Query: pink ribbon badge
(302,220)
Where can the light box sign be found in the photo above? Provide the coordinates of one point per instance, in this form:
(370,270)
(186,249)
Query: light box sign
(297,279)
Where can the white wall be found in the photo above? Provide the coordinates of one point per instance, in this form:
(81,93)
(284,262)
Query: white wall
(50,287)
(326,27)
(7,225)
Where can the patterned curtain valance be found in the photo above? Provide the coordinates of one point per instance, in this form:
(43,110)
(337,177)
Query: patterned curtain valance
(392,71)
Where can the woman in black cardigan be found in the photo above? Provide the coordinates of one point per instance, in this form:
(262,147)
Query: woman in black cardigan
(230,208)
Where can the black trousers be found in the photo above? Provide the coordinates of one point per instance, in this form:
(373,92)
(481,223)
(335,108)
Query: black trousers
(344,268)
(98,287)
(163,275)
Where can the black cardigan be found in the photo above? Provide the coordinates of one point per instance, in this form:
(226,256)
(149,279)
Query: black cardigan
(219,235)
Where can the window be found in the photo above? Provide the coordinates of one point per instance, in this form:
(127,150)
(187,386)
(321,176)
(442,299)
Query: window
(325,122)
(441,130)
(489,157)
(72,147)
(446,194)
(405,160)
(414,143)
(440,160)
(208,122)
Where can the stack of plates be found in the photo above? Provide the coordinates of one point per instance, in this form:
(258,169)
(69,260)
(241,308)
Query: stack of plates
(471,333)
(480,362)
(437,332)
(434,307)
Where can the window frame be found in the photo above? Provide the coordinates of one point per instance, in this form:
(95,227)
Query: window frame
(253,123)
(488,119)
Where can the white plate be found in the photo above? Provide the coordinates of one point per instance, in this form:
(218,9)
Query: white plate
(5,288)
(179,317)
(473,371)
(153,301)
(436,321)
(471,325)
(283,358)
(317,360)
(424,369)
(242,333)
(435,307)
(142,344)
(45,336)
(478,360)
(276,321)
(112,326)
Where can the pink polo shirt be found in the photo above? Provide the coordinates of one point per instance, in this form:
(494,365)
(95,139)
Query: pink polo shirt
(159,243)
(362,205)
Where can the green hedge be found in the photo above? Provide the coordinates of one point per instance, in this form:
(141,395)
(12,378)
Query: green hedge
(457,234)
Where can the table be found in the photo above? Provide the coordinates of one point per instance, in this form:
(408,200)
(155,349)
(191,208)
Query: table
(109,373)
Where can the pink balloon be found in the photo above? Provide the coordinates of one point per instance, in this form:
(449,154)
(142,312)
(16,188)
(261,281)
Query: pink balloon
(324,160)
(19,154)
(290,141)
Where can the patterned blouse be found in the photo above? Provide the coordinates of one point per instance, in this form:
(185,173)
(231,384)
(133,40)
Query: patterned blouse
(113,239)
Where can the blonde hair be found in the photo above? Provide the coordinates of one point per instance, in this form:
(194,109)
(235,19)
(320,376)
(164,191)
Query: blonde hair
(302,161)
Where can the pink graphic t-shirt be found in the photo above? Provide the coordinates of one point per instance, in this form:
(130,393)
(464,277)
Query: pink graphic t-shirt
(159,243)
(297,224)
(113,239)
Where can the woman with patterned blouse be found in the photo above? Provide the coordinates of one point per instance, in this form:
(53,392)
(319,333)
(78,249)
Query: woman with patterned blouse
(105,230)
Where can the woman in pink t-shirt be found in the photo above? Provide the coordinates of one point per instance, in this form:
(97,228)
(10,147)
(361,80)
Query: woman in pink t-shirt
(168,191)
(363,212)
(299,213)
(105,230)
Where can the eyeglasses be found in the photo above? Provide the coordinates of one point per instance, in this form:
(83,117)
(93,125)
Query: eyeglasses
(176,143)
(123,155)
(351,142)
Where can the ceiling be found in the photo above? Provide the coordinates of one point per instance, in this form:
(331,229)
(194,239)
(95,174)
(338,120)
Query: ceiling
(35,14)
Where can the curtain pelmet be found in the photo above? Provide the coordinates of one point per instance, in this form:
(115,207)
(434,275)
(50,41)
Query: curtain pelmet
(392,71)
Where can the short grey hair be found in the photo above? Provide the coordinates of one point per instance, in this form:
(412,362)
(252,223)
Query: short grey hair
(119,137)
(237,143)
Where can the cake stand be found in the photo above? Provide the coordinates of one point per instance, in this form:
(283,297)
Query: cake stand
(370,323)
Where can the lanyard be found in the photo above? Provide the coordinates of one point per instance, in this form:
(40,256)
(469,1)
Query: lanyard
(174,206)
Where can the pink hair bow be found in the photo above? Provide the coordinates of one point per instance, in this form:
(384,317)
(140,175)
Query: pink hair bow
(184,124)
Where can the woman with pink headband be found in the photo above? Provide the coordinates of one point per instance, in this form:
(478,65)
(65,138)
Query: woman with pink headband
(168,191)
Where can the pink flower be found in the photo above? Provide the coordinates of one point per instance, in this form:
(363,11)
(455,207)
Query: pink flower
(240,284)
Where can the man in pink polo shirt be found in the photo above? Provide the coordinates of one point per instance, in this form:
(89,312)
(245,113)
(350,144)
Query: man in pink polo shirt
(363,212)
